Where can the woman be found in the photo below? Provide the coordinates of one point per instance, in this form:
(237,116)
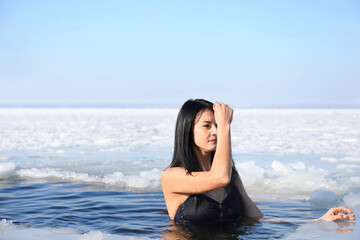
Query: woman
(202,184)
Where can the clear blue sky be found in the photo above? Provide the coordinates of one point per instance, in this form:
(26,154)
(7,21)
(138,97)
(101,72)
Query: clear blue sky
(164,52)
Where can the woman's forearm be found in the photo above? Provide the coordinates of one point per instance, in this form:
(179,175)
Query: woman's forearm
(222,164)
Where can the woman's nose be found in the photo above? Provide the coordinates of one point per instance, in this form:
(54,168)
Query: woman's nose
(214,130)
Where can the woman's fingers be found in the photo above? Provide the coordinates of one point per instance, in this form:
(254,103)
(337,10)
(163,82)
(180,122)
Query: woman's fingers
(337,213)
(220,104)
(223,113)
(342,208)
(345,216)
(350,217)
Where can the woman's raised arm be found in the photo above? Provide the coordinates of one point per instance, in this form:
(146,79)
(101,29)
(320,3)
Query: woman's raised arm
(177,180)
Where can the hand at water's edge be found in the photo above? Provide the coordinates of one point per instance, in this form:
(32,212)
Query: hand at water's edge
(337,214)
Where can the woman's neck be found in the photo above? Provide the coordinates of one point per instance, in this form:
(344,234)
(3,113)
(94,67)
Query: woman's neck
(204,160)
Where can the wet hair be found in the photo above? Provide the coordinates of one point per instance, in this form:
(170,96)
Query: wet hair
(184,146)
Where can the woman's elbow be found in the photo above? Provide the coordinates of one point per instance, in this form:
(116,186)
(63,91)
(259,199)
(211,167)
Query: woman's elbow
(223,181)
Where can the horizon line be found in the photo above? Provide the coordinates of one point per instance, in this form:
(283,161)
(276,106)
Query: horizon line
(147,105)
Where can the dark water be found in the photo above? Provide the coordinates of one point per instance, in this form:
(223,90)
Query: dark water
(139,214)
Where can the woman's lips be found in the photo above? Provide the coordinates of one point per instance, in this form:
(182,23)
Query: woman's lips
(213,140)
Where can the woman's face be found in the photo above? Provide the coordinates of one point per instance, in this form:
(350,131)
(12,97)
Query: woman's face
(205,131)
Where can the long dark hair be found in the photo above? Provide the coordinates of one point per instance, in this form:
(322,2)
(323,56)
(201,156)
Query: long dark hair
(184,146)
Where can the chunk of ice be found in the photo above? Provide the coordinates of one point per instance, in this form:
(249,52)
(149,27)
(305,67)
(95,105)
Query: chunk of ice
(323,198)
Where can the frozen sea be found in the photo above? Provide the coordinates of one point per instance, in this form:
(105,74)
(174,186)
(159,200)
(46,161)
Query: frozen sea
(93,173)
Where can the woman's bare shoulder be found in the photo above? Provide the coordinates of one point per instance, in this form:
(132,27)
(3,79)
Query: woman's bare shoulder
(170,175)
(173,170)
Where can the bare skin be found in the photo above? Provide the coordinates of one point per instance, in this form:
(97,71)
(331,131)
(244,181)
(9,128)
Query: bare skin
(337,213)
(209,134)
(333,214)
(212,132)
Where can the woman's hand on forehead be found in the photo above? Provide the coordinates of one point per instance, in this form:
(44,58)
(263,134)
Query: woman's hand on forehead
(223,113)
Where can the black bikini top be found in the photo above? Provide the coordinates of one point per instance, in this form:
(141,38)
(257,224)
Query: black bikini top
(199,208)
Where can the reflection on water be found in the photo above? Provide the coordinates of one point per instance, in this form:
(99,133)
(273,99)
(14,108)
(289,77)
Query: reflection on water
(85,208)
(342,227)
(197,231)
(245,228)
